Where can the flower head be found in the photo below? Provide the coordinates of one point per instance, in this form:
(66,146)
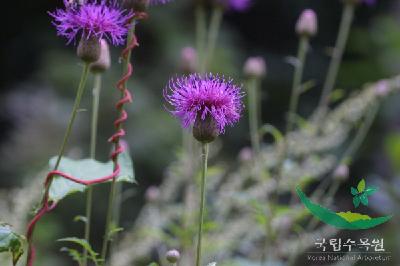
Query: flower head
(255,67)
(236,5)
(173,256)
(307,24)
(98,19)
(196,97)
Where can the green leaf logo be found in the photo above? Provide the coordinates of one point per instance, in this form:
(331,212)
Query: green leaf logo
(361,193)
(361,186)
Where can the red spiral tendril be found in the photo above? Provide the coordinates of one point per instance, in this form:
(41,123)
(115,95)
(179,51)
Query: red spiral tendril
(126,97)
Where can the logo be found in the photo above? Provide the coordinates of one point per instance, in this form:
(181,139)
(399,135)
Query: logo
(346,220)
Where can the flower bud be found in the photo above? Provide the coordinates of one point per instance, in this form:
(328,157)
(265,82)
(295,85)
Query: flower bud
(382,88)
(307,24)
(136,5)
(341,173)
(173,256)
(89,49)
(255,67)
(188,60)
(206,130)
(246,154)
(152,194)
(104,62)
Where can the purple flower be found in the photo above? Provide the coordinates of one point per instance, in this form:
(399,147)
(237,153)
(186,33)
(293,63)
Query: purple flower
(100,19)
(195,96)
(236,5)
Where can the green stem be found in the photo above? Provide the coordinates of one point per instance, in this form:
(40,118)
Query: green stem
(93,141)
(253,91)
(75,109)
(204,157)
(294,99)
(296,85)
(361,133)
(215,24)
(201,32)
(110,209)
(344,30)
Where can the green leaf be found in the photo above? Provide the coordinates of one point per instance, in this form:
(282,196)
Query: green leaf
(354,191)
(84,244)
(356,201)
(80,218)
(361,186)
(113,231)
(11,242)
(86,169)
(364,199)
(337,95)
(74,254)
(370,190)
(153,264)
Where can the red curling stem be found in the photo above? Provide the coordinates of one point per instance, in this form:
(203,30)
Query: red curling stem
(126,97)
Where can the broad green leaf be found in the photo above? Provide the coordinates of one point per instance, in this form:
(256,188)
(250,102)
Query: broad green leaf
(11,242)
(86,169)
(370,190)
(354,191)
(364,199)
(356,201)
(361,186)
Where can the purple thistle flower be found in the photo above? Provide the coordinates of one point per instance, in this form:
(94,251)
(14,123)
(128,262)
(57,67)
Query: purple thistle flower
(92,19)
(194,97)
